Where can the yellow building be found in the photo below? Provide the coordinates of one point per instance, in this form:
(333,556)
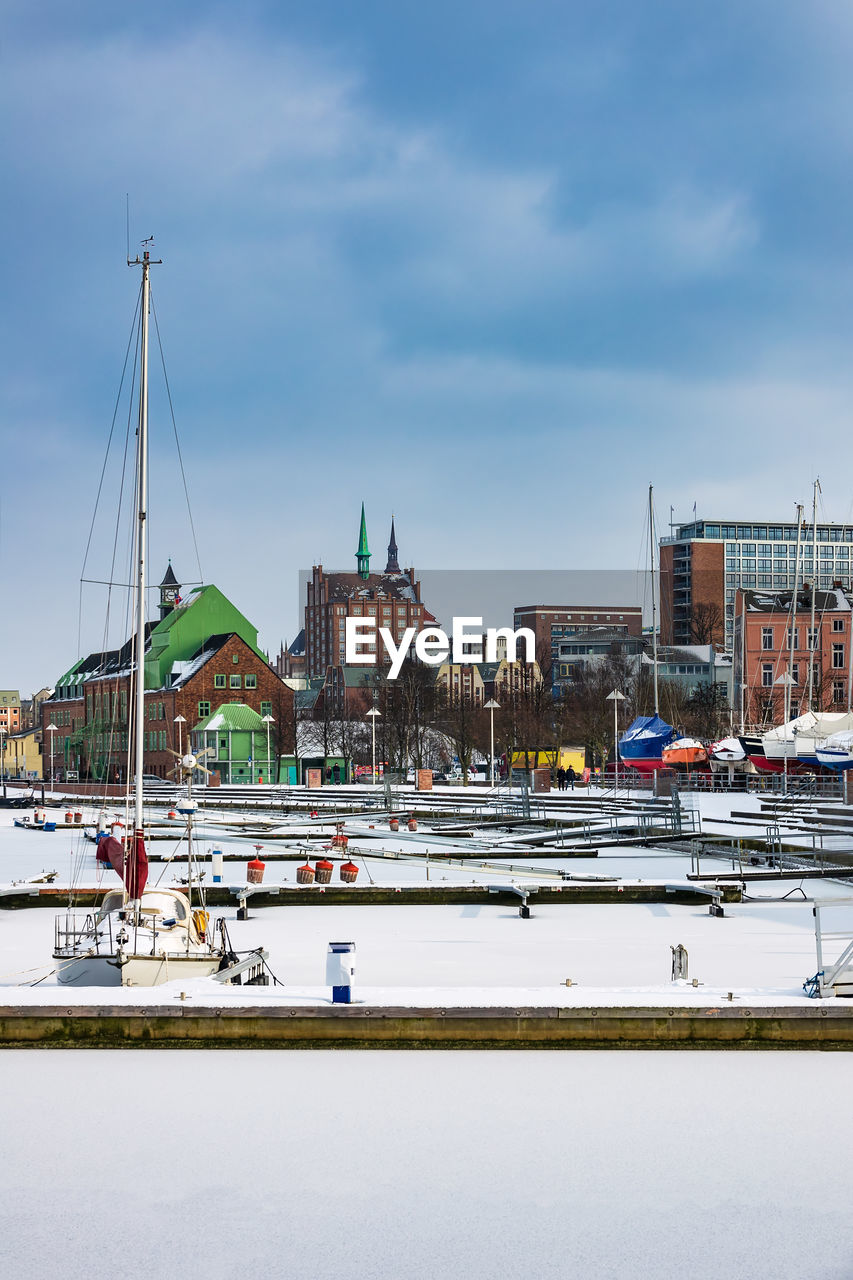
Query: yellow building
(555,758)
(23,755)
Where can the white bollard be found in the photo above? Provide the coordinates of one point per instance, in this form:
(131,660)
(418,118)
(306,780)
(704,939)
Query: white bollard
(340,971)
(216,861)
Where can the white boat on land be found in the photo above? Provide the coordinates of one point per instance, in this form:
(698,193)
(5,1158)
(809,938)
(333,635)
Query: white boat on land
(800,738)
(827,725)
(140,936)
(836,751)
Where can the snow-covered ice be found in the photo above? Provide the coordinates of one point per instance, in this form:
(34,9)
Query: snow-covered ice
(381,1165)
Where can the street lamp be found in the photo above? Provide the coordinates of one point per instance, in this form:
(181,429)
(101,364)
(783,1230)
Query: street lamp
(52,730)
(372,714)
(179,720)
(786,681)
(491,706)
(616,697)
(268,720)
(3,732)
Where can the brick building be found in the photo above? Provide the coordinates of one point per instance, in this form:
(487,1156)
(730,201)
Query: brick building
(10,710)
(201,653)
(554,624)
(392,598)
(762,652)
(703,565)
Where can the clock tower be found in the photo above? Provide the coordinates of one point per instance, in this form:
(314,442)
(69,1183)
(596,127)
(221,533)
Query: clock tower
(170,592)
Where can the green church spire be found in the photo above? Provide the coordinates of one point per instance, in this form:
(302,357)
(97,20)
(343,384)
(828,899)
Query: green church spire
(363,555)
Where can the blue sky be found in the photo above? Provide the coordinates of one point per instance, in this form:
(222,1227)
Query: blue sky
(493,266)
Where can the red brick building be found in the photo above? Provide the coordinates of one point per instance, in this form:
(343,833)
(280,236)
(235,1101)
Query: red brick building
(552,624)
(704,563)
(762,652)
(392,599)
(192,665)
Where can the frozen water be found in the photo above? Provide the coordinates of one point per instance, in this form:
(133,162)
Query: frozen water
(376,1166)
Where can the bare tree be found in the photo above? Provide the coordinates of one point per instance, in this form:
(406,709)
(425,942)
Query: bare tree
(707,623)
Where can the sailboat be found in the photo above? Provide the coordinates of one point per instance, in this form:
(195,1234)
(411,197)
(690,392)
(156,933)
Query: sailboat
(836,751)
(141,936)
(642,744)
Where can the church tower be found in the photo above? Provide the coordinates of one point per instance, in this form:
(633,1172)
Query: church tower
(392,566)
(362,555)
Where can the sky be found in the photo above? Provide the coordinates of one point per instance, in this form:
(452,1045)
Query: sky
(495,267)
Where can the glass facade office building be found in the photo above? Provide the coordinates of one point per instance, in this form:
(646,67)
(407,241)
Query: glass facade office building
(704,563)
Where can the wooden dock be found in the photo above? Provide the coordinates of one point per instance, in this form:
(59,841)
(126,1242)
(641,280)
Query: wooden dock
(290,895)
(177,1024)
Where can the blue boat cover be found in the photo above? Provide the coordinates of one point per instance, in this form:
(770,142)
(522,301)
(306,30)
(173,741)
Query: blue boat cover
(645,739)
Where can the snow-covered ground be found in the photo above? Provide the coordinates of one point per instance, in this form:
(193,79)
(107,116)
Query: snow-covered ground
(377,1166)
(486,953)
(762,950)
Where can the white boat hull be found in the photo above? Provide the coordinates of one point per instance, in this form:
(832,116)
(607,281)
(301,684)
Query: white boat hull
(132,970)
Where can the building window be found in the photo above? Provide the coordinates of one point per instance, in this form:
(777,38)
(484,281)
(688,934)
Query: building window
(266,708)
(235,682)
(251,682)
(767,675)
(767,637)
(219,682)
(838,692)
(795,673)
(235,658)
(162,739)
(838,656)
(203,710)
(838,624)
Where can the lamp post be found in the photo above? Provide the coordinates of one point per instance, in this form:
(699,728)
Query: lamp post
(786,681)
(491,706)
(268,720)
(372,714)
(52,730)
(179,720)
(615,697)
(3,732)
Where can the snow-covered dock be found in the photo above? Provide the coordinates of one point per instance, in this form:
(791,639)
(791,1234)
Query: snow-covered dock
(443,957)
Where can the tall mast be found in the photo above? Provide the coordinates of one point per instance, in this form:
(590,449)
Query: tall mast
(654,602)
(742,659)
(793,628)
(814,592)
(141,516)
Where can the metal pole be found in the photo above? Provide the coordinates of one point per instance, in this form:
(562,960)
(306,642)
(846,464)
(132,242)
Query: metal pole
(654,602)
(142,512)
(373,748)
(492,744)
(814,591)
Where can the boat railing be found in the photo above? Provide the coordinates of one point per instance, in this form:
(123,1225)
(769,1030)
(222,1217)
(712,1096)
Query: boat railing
(77,931)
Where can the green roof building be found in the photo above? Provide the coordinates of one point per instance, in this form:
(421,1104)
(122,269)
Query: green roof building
(237,739)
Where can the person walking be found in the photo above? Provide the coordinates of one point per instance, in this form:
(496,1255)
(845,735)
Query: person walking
(570,777)
(561,779)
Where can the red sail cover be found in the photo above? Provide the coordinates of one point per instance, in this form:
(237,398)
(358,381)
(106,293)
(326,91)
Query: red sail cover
(137,862)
